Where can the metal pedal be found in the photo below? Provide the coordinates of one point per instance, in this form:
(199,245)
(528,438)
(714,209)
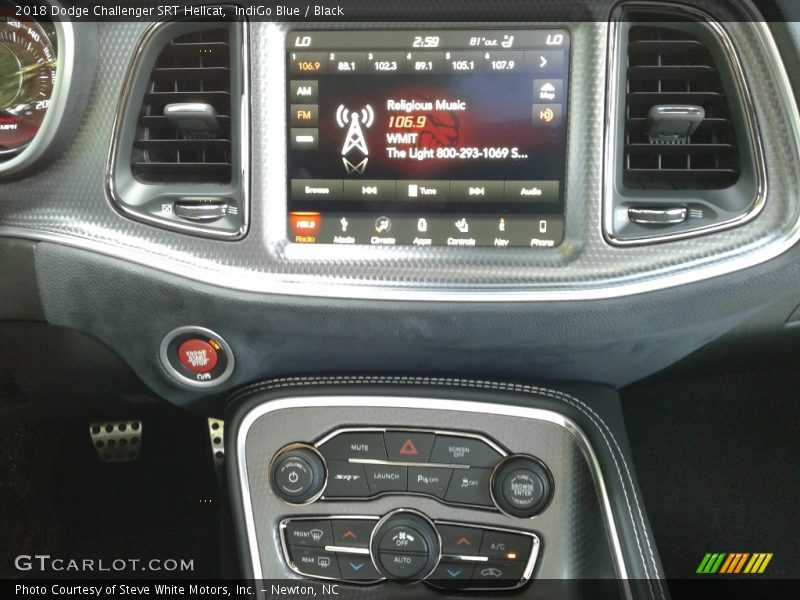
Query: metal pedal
(117,441)
(216,435)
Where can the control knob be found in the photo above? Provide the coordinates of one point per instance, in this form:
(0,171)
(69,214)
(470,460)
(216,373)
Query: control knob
(521,486)
(297,474)
(405,545)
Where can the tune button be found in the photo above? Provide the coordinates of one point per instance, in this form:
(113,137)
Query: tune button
(521,486)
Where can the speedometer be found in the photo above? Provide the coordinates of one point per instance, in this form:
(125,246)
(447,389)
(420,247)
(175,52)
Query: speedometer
(27,77)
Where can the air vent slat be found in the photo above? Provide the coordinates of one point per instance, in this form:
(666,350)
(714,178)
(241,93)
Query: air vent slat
(671,67)
(202,171)
(157,121)
(186,144)
(653,98)
(668,149)
(686,72)
(193,69)
(192,73)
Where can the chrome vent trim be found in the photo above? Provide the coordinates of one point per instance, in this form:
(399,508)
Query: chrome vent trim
(613,168)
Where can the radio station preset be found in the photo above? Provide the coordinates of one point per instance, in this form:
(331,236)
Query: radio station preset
(452,138)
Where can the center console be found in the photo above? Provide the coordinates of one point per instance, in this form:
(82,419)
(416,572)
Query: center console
(463,485)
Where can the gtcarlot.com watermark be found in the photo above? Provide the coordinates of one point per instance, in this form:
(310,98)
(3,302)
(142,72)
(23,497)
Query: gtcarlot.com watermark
(45,563)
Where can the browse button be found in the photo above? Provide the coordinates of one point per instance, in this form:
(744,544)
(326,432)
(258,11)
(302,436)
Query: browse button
(531,191)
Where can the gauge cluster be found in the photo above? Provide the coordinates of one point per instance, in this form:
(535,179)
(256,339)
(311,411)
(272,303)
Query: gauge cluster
(46,79)
(28,68)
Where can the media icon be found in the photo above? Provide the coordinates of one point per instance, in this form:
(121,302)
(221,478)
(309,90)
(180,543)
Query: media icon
(344,223)
(383,225)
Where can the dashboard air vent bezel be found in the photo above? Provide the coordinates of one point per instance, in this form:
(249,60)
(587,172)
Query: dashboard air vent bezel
(156,202)
(706,210)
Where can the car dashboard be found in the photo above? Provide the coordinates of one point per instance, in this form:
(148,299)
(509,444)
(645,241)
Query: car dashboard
(409,254)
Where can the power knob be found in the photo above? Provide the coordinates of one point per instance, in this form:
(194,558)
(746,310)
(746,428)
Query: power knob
(297,473)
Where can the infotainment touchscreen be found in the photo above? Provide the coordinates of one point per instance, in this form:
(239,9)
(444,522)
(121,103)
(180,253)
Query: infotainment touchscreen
(427,138)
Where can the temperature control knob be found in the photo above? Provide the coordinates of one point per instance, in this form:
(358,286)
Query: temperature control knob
(298,474)
(405,545)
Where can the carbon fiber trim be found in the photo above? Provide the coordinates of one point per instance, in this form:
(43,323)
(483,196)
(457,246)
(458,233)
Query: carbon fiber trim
(67,202)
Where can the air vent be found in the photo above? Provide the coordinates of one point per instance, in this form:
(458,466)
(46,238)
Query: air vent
(670,67)
(193,70)
(180,146)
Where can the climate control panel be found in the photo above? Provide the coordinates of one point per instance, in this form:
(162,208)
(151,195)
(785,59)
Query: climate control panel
(458,468)
(405,545)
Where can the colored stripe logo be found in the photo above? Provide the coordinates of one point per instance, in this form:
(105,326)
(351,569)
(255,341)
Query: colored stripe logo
(734,563)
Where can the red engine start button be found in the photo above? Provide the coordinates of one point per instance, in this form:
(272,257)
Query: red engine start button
(197,355)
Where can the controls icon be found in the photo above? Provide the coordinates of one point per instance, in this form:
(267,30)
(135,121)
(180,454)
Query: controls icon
(462,225)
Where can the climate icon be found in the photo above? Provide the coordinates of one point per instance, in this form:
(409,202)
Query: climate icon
(355,145)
